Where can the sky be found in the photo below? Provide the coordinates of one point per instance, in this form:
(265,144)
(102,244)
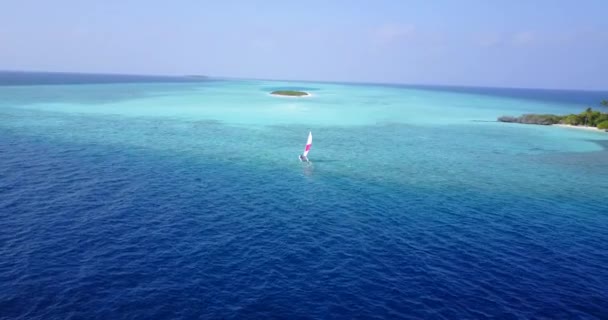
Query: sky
(517,43)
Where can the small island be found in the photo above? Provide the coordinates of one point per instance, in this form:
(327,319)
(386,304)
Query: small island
(290,93)
(589,119)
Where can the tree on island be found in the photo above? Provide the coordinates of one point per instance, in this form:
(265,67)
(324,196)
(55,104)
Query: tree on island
(603,123)
(588,112)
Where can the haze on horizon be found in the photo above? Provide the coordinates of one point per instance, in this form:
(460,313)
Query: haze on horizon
(540,44)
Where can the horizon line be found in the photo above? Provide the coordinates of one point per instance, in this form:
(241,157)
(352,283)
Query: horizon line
(462,86)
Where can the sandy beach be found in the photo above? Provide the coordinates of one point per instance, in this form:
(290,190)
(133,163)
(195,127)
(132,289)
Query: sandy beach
(579,127)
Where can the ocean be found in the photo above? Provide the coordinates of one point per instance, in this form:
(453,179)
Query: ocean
(172,198)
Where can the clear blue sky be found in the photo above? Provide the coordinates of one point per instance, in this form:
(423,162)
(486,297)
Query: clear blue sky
(516,43)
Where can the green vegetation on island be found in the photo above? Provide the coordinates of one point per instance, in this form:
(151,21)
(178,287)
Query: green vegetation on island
(290,93)
(542,119)
(588,118)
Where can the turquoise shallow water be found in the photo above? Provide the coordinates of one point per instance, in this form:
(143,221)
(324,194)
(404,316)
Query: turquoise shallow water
(187,200)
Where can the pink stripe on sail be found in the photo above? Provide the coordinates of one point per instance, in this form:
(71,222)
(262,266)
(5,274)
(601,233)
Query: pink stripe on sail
(308,147)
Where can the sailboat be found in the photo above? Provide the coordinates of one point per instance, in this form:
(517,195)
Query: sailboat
(304,156)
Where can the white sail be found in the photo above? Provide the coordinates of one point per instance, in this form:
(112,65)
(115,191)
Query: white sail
(308,144)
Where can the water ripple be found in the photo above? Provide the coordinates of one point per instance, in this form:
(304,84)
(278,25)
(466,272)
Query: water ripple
(101,232)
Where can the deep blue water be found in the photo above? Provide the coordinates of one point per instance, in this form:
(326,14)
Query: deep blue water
(20,78)
(579,97)
(587,98)
(92,228)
